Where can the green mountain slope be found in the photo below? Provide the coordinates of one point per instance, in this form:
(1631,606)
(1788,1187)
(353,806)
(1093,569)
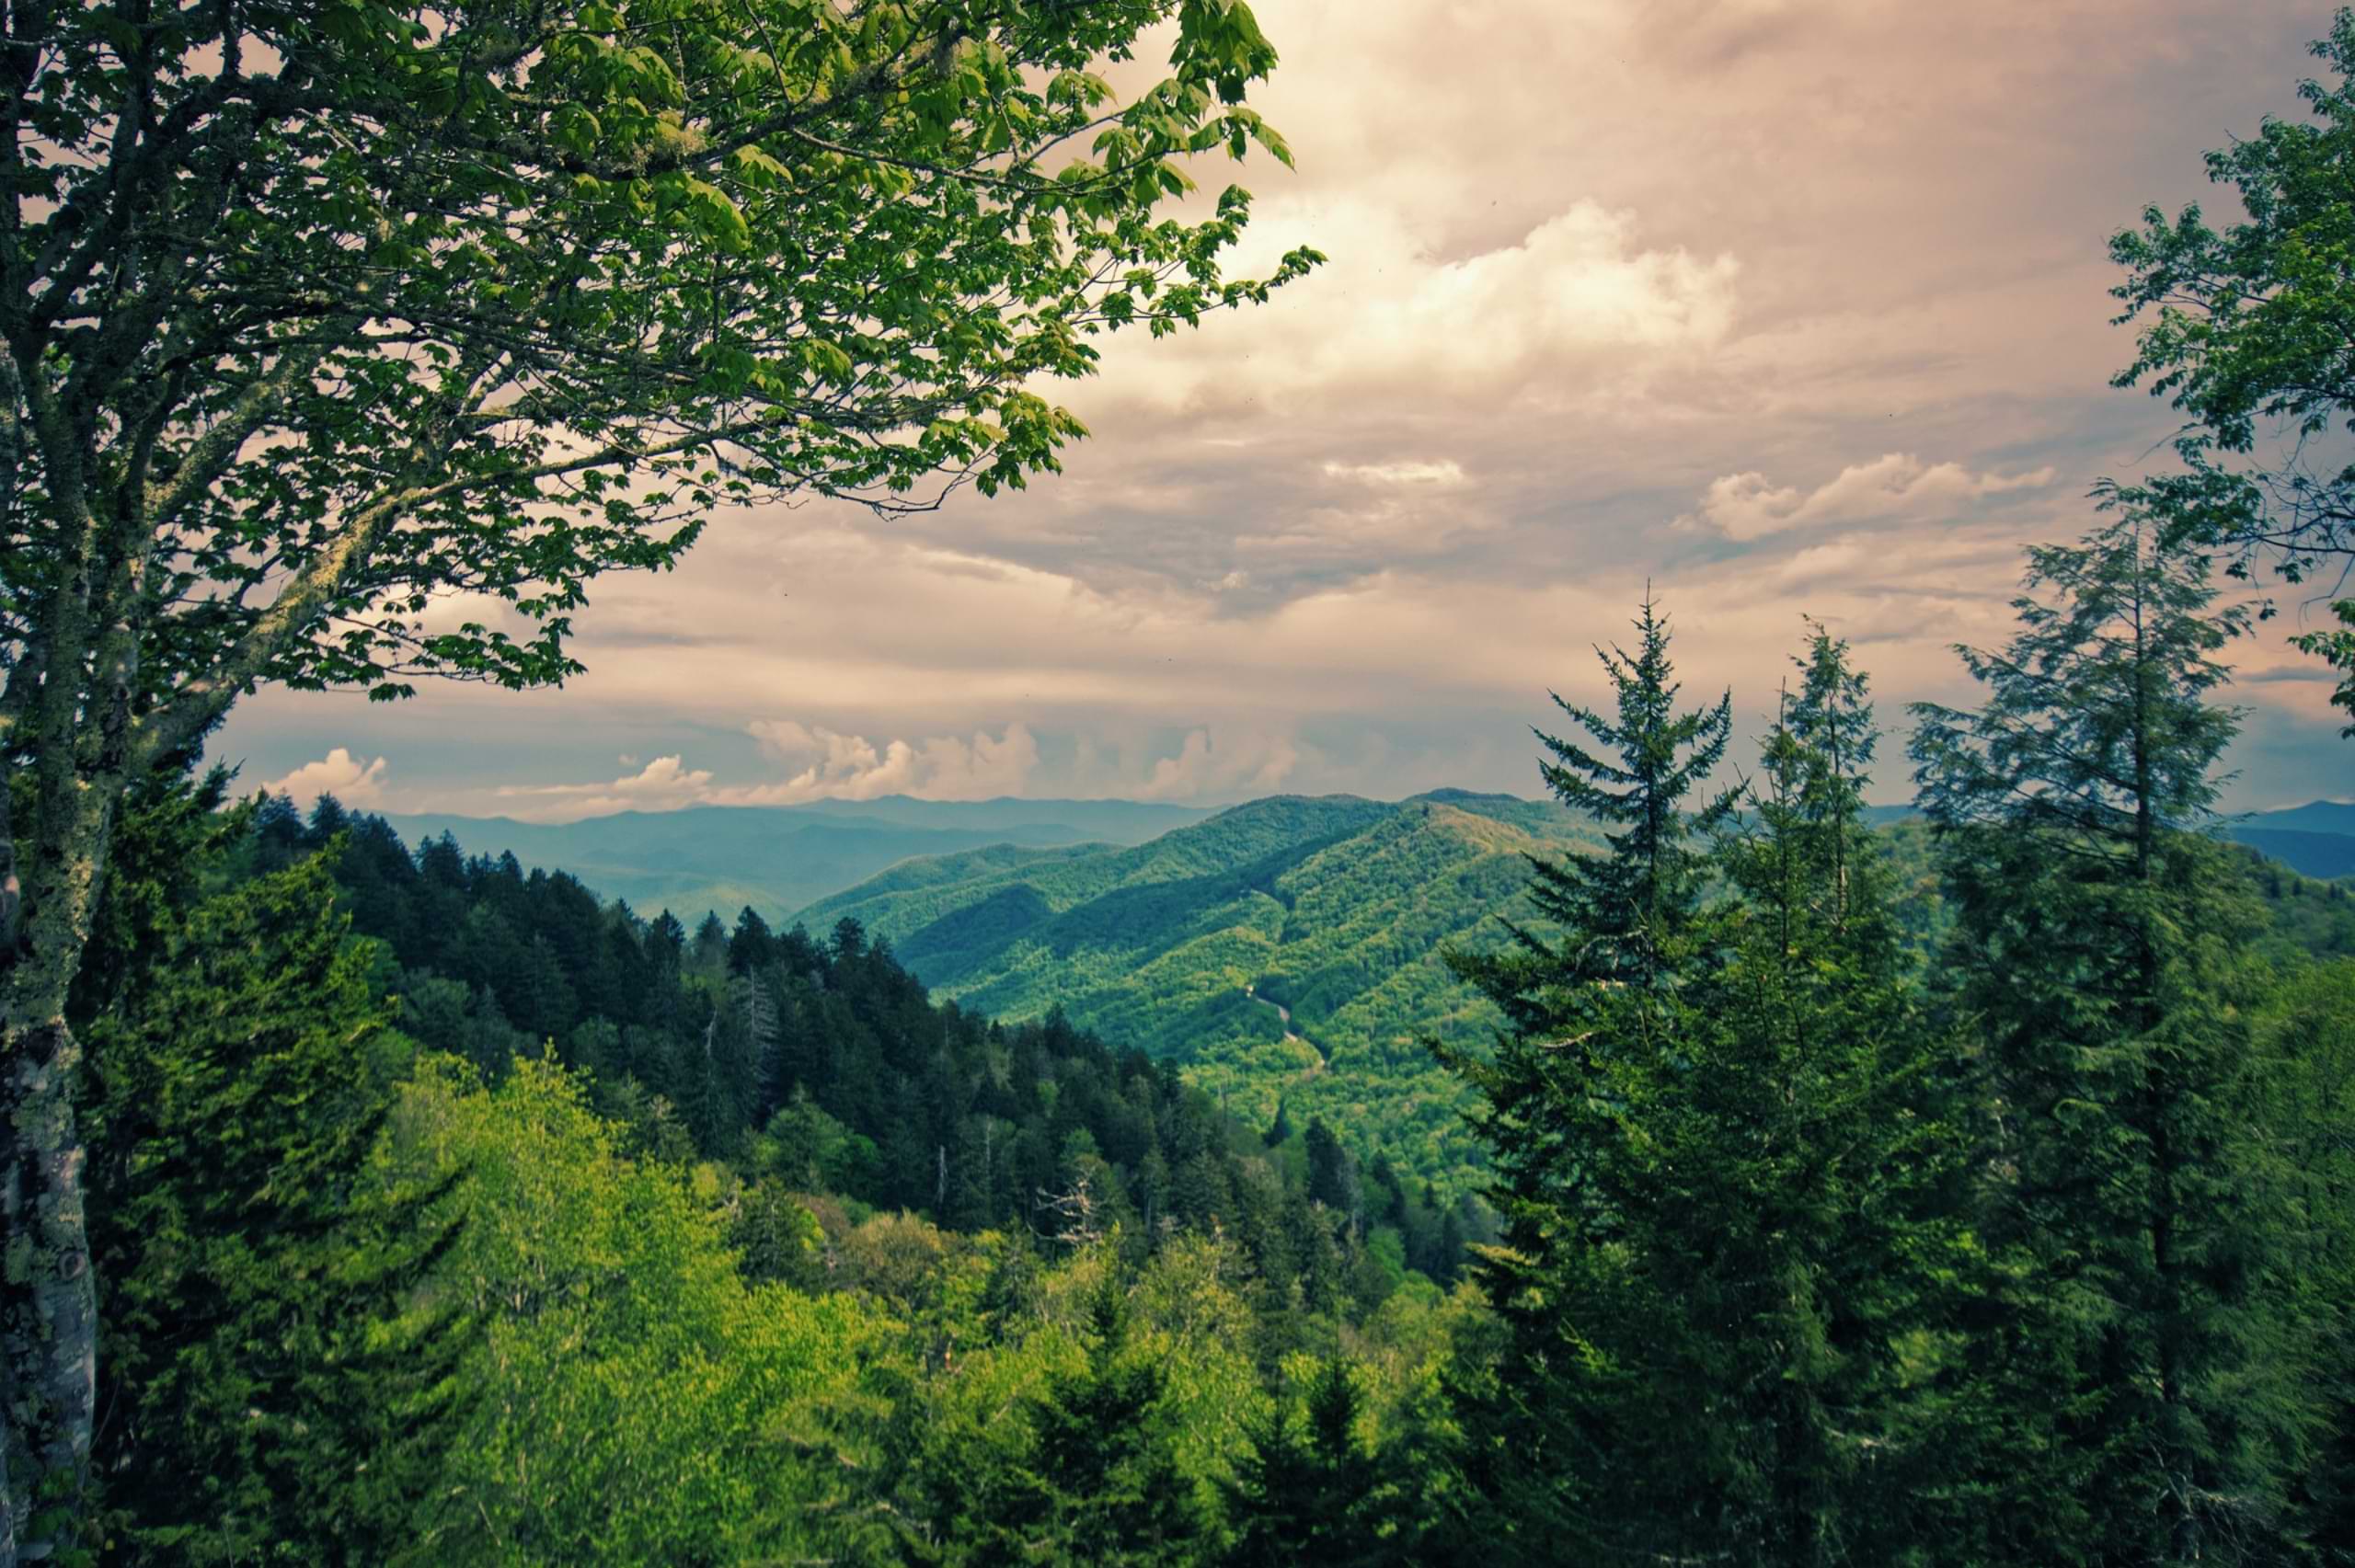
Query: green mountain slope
(1287,951)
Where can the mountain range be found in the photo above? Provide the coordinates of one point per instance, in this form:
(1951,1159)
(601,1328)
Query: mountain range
(1288,951)
(775,859)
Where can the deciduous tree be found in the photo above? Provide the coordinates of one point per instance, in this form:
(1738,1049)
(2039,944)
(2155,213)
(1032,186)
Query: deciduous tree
(348,342)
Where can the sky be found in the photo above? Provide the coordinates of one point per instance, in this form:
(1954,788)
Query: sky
(1784,307)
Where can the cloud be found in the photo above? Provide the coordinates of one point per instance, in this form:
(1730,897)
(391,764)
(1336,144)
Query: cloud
(338,773)
(851,767)
(1445,472)
(1575,293)
(1895,489)
(666,784)
(1835,313)
(1222,765)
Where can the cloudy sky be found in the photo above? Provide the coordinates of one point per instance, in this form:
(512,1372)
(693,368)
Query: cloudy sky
(1789,306)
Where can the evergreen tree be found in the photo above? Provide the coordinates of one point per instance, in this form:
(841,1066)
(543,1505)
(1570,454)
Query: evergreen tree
(1621,913)
(274,1394)
(1605,988)
(1723,1199)
(1097,1480)
(2129,1402)
(1310,1490)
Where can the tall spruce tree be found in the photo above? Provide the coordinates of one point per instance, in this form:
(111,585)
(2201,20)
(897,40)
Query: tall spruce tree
(279,1394)
(1311,1490)
(1619,913)
(1724,1194)
(2121,1388)
(1603,986)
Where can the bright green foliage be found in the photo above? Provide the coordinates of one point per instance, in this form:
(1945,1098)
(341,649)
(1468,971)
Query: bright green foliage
(496,298)
(2135,1402)
(319,316)
(276,1396)
(629,1397)
(1093,1476)
(2248,332)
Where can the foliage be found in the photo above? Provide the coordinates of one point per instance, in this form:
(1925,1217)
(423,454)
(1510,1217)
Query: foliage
(350,343)
(1728,1197)
(1624,911)
(279,1394)
(2247,332)
(2136,1402)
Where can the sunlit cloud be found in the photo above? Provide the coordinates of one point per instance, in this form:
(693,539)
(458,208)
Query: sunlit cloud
(338,773)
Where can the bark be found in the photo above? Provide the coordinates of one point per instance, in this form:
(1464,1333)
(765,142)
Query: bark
(47,1305)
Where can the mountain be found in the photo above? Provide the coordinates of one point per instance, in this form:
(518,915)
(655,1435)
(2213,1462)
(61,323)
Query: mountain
(779,858)
(2325,855)
(2314,840)
(1286,951)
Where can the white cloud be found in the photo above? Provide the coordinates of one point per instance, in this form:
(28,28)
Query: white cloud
(338,773)
(1221,765)
(1895,489)
(1443,472)
(666,784)
(1575,293)
(834,765)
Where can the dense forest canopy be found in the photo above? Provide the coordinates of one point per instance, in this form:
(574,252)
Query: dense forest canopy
(1799,1190)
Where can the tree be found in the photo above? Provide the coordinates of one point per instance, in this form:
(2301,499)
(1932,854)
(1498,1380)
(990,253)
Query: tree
(1723,1199)
(2138,1404)
(2246,334)
(1620,911)
(277,1393)
(1606,987)
(1096,1480)
(322,317)
(1309,1489)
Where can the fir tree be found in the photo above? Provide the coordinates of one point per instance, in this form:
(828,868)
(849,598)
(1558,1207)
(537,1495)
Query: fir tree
(1622,913)
(274,1393)
(2130,1403)
(1097,1482)
(1309,1489)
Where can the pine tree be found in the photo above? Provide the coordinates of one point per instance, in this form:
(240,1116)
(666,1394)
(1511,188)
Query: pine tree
(1621,912)
(1605,988)
(1098,1480)
(1724,1198)
(273,1391)
(1309,1489)
(2129,1402)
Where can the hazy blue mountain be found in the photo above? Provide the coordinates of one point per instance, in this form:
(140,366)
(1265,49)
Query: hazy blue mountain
(777,859)
(2325,855)
(2314,817)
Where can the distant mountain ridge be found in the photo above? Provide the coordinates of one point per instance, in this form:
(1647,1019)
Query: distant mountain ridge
(2314,840)
(776,858)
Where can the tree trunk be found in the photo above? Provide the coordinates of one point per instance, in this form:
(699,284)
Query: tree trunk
(51,1350)
(48,1300)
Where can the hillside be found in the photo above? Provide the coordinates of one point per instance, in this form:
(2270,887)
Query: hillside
(1287,951)
(776,858)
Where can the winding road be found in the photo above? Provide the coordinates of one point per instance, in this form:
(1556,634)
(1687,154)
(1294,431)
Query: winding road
(1290,1033)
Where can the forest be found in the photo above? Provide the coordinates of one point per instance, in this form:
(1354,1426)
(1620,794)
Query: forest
(450,1214)
(1813,1191)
